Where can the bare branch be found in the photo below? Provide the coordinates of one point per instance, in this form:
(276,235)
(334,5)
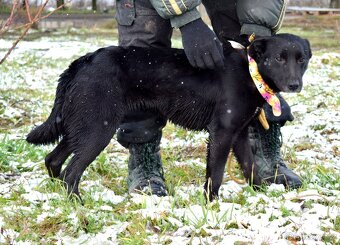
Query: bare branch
(9,20)
(15,43)
(40,18)
(52,12)
(37,17)
(42,7)
(29,17)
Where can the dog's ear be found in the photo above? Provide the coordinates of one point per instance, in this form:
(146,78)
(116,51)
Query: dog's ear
(257,48)
(307,48)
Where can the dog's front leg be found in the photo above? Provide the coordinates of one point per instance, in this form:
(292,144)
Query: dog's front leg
(218,149)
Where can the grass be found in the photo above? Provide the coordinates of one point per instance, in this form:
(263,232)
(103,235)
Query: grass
(315,27)
(43,220)
(17,151)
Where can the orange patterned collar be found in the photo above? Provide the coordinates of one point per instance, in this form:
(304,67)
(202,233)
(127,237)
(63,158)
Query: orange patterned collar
(266,92)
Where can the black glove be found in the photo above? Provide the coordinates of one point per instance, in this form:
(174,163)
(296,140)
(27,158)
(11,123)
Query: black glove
(286,114)
(201,46)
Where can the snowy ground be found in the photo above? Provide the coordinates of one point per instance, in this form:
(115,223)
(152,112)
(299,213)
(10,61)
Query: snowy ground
(34,209)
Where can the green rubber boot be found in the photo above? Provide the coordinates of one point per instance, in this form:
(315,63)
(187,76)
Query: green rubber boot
(272,141)
(270,166)
(145,168)
(262,171)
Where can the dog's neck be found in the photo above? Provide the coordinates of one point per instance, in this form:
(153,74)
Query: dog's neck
(266,92)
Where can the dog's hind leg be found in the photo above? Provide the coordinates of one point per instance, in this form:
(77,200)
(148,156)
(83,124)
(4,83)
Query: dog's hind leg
(55,159)
(218,149)
(88,147)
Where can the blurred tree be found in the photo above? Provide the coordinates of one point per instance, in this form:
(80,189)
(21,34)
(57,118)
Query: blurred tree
(94,5)
(32,19)
(335,4)
(61,3)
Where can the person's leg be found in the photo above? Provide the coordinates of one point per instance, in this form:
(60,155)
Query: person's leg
(270,166)
(140,25)
(141,133)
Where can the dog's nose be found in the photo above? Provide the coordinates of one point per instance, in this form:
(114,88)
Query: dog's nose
(294,85)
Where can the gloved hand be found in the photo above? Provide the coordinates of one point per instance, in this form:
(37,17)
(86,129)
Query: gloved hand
(201,46)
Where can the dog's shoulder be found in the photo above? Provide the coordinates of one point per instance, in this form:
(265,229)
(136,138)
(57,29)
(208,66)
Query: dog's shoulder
(235,59)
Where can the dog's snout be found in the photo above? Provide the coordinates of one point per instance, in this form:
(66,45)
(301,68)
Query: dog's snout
(294,86)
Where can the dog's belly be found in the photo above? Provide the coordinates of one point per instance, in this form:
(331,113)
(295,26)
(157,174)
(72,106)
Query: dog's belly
(195,114)
(192,125)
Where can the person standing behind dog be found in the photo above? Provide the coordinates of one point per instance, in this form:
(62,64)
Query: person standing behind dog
(149,23)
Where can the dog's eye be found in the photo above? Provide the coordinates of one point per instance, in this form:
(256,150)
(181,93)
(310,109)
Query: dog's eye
(301,60)
(279,59)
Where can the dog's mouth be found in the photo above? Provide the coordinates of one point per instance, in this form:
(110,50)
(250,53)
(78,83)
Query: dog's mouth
(295,89)
(294,86)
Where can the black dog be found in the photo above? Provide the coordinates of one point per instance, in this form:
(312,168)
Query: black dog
(98,89)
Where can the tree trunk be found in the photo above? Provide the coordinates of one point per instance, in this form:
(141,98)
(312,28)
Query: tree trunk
(94,5)
(335,4)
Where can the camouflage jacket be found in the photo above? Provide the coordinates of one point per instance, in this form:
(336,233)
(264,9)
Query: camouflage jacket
(262,17)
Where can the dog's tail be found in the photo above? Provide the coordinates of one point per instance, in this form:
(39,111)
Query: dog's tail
(51,129)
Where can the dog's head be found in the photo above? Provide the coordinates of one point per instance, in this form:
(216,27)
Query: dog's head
(282,60)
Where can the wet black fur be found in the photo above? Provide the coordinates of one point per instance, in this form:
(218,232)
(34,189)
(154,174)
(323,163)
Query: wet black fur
(98,89)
